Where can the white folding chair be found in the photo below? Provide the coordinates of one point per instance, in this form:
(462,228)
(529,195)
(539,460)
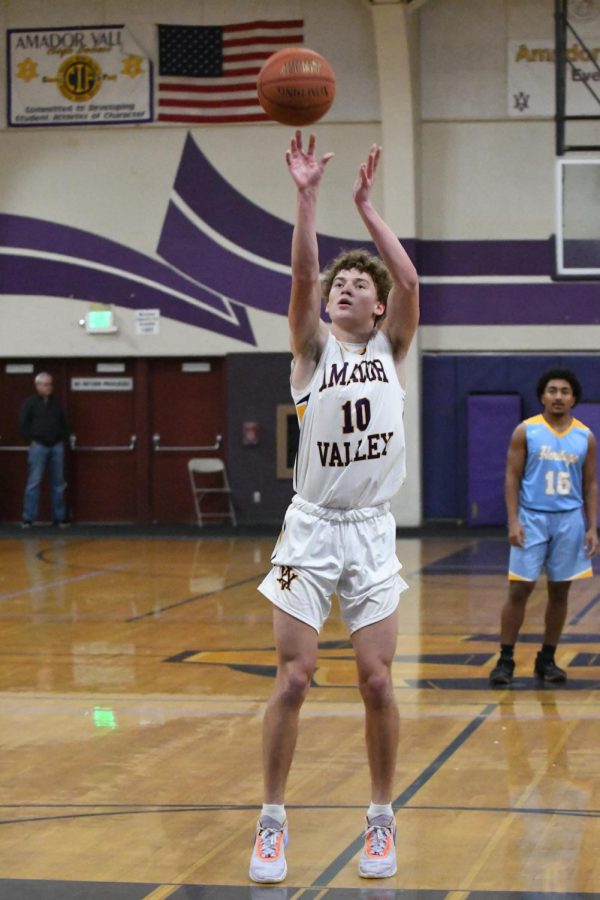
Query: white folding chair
(204,482)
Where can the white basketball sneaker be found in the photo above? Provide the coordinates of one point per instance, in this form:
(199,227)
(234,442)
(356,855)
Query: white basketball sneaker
(378,857)
(268,865)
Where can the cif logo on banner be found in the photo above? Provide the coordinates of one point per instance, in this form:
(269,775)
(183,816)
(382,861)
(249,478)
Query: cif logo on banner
(79,78)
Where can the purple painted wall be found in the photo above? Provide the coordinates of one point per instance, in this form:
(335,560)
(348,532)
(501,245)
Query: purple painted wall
(447,382)
(491,419)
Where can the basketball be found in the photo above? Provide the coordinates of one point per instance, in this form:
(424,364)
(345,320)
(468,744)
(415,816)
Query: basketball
(296,86)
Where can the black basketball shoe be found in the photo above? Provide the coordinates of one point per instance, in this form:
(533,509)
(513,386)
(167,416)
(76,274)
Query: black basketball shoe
(503,673)
(547,670)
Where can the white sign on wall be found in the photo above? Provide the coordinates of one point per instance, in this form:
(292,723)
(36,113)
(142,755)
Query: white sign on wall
(77,76)
(101,384)
(147,321)
(531,78)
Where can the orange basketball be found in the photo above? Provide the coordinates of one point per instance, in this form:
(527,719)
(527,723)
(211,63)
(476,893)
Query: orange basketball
(296,86)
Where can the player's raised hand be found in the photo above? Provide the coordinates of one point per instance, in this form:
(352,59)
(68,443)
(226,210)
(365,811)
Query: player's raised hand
(366,176)
(304,167)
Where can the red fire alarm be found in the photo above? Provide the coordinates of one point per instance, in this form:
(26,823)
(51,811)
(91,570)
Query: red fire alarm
(250,434)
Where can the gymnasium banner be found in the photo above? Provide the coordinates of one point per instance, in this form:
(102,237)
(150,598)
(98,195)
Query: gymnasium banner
(90,75)
(531,78)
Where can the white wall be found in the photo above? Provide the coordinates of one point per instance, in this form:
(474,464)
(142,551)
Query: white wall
(430,85)
(476,173)
(116,182)
(484,175)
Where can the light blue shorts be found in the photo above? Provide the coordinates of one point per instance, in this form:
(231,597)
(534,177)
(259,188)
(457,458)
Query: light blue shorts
(554,541)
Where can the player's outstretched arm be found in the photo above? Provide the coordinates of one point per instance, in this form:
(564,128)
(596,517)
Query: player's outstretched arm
(402,315)
(515,464)
(590,498)
(307,332)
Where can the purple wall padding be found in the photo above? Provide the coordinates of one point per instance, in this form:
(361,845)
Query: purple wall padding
(491,419)
(589,414)
(449,379)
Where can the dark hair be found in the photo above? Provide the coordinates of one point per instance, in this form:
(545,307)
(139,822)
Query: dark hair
(563,375)
(365,262)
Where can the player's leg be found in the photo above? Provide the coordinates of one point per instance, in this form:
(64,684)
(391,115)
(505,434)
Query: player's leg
(513,611)
(297,647)
(554,622)
(375,646)
(567,560)
(511,619)
(556,610)
(299,586)
(369,591)
(524,567)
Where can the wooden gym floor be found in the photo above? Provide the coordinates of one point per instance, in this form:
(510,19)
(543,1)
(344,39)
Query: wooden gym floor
(133,677)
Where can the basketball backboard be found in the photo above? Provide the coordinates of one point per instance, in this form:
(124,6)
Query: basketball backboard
(578,218)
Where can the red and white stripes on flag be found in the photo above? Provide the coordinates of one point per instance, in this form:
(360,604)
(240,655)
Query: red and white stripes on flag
(207,73)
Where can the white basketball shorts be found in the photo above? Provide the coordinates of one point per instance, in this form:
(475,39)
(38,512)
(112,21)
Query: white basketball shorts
(351,552)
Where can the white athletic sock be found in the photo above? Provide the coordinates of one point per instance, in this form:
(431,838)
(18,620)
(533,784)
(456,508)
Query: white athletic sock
(379,809)
(273,811)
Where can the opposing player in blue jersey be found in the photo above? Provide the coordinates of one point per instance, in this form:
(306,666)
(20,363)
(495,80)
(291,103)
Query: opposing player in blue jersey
(339,535)
(552,503)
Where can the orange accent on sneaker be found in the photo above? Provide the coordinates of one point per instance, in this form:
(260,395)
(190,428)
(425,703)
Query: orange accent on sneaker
(378,851)
(378,856)
(273,852)
(268,864)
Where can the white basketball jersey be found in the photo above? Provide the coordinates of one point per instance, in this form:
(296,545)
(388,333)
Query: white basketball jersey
(351,452)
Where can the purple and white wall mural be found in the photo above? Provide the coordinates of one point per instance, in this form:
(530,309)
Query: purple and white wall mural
(218,255)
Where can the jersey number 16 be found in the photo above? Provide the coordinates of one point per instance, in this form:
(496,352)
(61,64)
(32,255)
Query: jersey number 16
(558,483)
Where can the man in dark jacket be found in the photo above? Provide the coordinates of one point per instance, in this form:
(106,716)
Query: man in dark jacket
(43,425)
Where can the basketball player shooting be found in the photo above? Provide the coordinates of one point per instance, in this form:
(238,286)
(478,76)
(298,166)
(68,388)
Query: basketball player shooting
(348,385)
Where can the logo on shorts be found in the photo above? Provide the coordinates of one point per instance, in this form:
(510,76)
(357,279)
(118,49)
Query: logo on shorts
(287,576)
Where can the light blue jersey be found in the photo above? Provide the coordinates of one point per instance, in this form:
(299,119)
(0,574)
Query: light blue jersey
(553,477)
(551,504)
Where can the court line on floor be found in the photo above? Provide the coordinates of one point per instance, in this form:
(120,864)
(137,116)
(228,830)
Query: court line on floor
(107,814)
(583,612)
(336,866)
(168,809)
(43,556)
(52,584)
(162,609)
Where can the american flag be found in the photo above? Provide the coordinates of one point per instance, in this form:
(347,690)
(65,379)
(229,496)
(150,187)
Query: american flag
(207,73)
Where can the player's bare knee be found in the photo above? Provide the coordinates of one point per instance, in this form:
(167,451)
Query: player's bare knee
(295,683)
(520,592)
(376,688)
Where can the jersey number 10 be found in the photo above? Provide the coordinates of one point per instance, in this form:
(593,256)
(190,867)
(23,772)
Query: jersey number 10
(362,415)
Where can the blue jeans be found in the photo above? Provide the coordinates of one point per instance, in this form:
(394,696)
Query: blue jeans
(39,459)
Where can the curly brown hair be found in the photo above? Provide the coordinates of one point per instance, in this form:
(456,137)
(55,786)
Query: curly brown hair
(365,262)
(562,375)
